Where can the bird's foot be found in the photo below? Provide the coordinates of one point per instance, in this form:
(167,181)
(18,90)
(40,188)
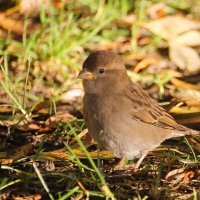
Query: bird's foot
(134,168)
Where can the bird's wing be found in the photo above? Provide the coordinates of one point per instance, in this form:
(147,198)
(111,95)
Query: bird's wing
(147,110)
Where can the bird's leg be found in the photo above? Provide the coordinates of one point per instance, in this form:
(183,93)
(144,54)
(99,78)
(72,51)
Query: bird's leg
(135,167)
(120,163)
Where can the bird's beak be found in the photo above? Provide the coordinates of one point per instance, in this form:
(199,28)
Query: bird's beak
(85,75)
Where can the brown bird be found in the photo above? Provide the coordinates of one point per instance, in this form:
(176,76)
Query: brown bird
(121,116)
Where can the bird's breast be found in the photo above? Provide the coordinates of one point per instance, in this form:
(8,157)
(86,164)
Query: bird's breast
(106,121)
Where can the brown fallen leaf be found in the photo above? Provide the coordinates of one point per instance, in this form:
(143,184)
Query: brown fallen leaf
(22,151)
(7,123)
(6,110)
(144,41)
(145,63)
(12,10)
(128,20)
(184,85)
(186,116)
(42,108)
(12,25)
(134,56)
(195,144)
(180,176)
(59,117)
(53,69)
(184,57)
(33,6)
(171,26)
(28,126)
(58,3)
(29,197)
(121,44)
(189,121)
(185,108)
(190,97)
(87,140)
(180,33)
(6,161)
(17,153)
(45,129)
(157,10)
(80,135)
(191,38)
(72,94)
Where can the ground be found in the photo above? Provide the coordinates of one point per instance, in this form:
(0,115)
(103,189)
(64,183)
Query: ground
(44,151)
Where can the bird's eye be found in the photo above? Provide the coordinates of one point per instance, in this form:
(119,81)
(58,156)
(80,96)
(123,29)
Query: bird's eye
(101,71)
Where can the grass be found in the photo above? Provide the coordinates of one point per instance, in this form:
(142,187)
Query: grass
(36,70)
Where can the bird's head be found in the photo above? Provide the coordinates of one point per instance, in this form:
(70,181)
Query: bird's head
(101,70)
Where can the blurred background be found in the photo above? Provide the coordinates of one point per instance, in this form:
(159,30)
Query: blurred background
(43,44)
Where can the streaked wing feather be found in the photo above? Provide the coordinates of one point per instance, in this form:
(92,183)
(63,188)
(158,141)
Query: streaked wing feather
(147,110)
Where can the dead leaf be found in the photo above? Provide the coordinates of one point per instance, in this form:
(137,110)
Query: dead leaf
(6,161)
(58,3)
(80,135)
(42,108)
(49,166)
(128,20)
(19,152)
(7,123)
(6,110)
(145,63)
(73,94)
(184,110)
(53,68)
(179,176)
(182,116)
(22,151)
(28,126)
(157,10)
(190,97)
(85,138)
(121,44)
(29,197)
(33,6)
(12,10)
(171,26)
(45,129)
(144,41)
(59,117)
(184,85)
(59,154)
(191,38)
(12,25)
(184,57)
(194,144)
(134,56)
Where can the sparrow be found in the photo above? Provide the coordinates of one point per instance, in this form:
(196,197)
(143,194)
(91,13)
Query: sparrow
(120,116)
